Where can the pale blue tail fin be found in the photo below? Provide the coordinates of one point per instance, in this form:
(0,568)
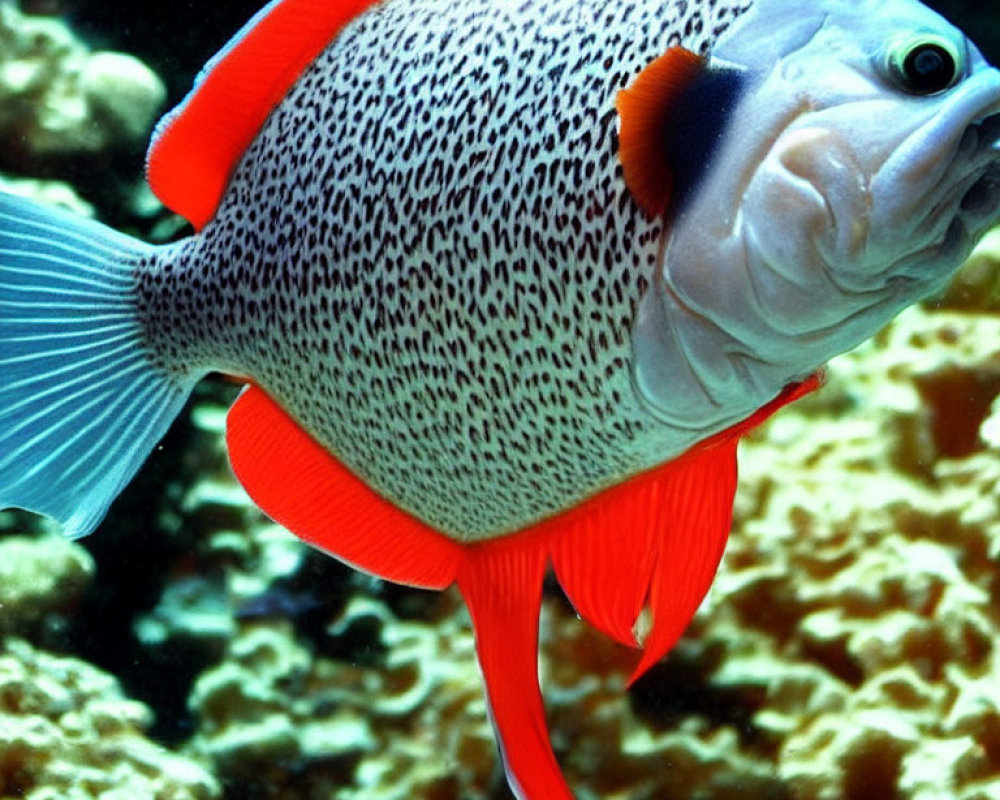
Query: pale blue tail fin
(81,402)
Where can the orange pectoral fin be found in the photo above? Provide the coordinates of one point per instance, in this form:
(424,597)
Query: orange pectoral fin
(645,110)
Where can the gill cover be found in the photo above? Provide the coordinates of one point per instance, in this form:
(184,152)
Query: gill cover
(856,173)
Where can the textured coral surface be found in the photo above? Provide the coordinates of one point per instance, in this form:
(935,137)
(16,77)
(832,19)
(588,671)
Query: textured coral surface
(67,733)
(58,96)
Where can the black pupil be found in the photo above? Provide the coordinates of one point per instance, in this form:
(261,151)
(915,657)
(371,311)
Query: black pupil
(929,68)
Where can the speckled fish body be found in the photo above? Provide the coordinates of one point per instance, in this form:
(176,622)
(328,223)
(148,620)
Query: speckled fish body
(429,258)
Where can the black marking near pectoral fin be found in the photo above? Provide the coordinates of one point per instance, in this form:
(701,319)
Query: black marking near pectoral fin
(705,113)
(673,117)
(646,112)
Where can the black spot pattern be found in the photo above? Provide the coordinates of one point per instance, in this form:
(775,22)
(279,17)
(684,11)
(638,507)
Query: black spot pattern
(429,257)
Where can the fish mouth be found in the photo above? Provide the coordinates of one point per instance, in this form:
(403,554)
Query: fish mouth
(965,211)
(981,203)
(978,210)
(979,206)
(981,136)
(981,145)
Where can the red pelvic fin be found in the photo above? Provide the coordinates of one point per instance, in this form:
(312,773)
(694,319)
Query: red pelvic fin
(303,487)
(697,511)
(197,145)
(604,557)
(696,492)
(645,110)
(502,585)
(654,541)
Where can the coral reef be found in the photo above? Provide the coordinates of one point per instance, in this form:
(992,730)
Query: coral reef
(858,599)
(74,114)
(413,727)
(39,577)
(56,193)
(67,733)
(58,97)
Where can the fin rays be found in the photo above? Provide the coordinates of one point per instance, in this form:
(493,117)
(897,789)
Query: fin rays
(10,258)
(653,540)
(62,352)
(64,398)
(99,361)
(81,378)
(81,402)
(91,334)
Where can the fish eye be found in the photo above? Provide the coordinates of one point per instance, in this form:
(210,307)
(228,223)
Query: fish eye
(925,63)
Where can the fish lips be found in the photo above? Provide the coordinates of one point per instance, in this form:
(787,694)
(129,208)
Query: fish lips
(942,184)
(981,202)
(968,205)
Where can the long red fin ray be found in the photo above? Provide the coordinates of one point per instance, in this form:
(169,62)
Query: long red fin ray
(198,144)
(502,586)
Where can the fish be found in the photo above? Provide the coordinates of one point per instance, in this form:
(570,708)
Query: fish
(506,283)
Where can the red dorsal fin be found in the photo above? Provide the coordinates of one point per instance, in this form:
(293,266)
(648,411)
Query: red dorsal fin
(653,540)
(197,145)
(645,112)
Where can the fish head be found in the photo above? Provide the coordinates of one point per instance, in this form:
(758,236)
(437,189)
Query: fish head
(883,151)
(857,169)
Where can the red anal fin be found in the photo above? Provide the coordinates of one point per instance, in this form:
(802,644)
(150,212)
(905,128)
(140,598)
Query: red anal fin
(644,109)
(655,539)
(197,145)
(301,486)
(501,582)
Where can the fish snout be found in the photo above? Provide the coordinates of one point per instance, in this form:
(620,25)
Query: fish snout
(979,206)
(981,137)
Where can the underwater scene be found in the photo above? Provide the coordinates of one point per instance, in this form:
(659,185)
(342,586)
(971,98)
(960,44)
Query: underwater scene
(193,649)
